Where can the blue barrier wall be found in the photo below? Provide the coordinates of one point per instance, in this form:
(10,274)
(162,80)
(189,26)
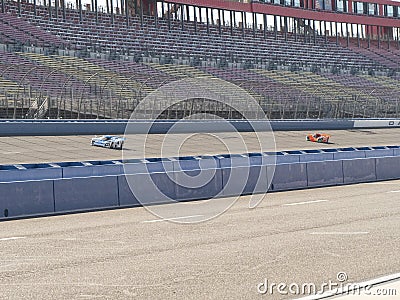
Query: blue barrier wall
(154,188)
(26,198)
(289,177)
(210,184)
(379,152)
(59,170)
(244,180)
(91,168)
(387,168)
(315,155)
(324,173)
(359,170)
(239,175)
(126,197)
(348,153)
(27,172)
(85,193)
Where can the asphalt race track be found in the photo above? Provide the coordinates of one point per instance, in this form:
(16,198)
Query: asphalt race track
(295,237)
(37,149)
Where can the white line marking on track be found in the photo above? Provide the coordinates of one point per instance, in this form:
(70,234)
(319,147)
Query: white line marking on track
(12,238)
(14,152)
(304,202)
(172,219)
(339,232)
(394,191)
(353,287)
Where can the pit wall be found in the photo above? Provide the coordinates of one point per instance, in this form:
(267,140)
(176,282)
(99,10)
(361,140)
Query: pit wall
(46,189)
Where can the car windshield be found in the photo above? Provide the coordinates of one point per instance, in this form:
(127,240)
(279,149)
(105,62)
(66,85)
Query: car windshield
(105,138)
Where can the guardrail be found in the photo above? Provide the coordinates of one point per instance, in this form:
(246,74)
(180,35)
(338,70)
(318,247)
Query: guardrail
(42,189)
(80,127)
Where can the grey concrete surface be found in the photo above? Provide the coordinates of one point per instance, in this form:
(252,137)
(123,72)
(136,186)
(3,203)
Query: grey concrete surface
(77,148)
(298,237)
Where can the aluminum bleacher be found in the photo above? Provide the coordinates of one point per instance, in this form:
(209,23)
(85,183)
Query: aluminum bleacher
(96,65)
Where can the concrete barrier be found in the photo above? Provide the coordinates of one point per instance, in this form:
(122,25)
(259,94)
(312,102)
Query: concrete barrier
(197,177)
(387,168)
(379,151)
(134,166)
(291,156)
(315,155)
(288,176)
(126,197)
(282,157)
(103,168)
(159,165)
(233,160)
(26,127)
(324,173)
(90,168)
(167,180)
(85,193)
(246,173)
(26,198)
(244,180)
(198,184)
(359,170)
(348,153)
(396,150)
(153,188)
(376,123)
(25,172)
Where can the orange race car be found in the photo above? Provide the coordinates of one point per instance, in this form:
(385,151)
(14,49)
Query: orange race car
(318,137)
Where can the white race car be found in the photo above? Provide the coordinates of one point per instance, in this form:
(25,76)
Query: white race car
(109,141)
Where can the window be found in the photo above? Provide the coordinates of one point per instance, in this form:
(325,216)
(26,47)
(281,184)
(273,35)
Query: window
(323,4)
(395,11)
(328,4)
(365,10)
(288,2)
(359,7)
(372,9)
(296,3)
(341,5)
(388,10)
(319,4)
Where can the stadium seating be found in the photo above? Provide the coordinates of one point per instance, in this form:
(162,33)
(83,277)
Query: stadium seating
(85,68)
(158,41)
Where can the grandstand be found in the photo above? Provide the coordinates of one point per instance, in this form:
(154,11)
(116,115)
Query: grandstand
(298,59)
